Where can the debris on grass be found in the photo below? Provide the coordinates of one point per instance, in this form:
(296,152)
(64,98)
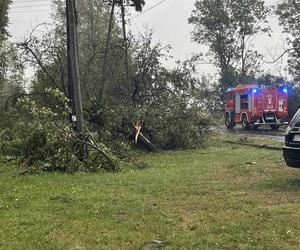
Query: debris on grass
(154,244)
(251,163)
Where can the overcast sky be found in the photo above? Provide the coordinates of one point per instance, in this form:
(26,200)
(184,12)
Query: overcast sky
(168,20)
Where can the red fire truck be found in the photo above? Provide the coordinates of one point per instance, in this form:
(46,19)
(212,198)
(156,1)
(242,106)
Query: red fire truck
(254,106)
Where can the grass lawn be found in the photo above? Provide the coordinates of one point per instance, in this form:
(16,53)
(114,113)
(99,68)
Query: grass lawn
(222,197)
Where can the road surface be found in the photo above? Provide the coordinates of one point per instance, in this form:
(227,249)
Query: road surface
(259,133)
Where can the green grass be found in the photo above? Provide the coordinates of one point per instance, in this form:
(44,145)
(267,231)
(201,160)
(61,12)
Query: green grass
(223,197)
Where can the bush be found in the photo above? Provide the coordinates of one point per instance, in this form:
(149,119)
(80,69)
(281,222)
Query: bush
(42,139)
(175,127)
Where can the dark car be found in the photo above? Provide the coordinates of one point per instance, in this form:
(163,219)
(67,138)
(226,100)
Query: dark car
(291,150)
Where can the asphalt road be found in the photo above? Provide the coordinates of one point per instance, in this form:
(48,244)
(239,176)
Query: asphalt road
(259,133)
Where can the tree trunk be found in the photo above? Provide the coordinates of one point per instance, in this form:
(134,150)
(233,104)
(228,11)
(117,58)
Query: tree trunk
(107,45)
(242,78)
(125,40)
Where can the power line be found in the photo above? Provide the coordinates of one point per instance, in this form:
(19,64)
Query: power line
(30,6)
(152,7)
(28,11)
(16,23)
(30,1)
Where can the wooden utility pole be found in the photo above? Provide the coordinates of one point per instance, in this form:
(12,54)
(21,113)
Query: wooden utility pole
(73,71)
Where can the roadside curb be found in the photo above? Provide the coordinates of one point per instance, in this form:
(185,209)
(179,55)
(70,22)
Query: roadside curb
(265,146)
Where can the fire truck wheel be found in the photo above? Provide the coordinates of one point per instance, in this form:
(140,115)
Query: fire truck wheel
(274,127)
(245,123)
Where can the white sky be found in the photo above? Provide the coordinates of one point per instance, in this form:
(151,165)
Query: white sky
(168,21)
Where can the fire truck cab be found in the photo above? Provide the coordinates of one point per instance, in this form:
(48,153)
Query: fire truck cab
(254,106)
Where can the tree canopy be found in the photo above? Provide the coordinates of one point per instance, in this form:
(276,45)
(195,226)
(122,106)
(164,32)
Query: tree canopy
(289,17)
(4,4)
(138,4)
(228,27)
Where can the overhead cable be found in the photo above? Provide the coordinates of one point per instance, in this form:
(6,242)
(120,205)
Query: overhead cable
(28,11)
(152,7)
(30,6)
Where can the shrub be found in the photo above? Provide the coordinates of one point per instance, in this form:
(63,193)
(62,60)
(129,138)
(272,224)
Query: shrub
(43,139)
